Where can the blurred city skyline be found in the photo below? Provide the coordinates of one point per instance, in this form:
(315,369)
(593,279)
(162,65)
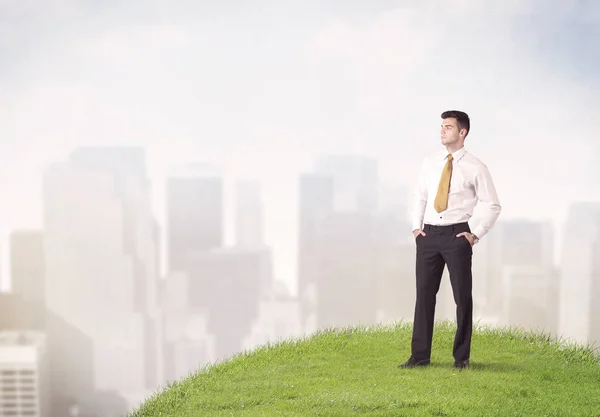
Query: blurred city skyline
(280,200)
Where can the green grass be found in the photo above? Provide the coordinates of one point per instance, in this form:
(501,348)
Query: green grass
(347,372)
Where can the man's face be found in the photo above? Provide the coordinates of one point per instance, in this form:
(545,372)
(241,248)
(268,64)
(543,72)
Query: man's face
(450,132)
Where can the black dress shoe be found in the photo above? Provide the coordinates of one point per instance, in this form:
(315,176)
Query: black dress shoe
(461,364)
(412,363)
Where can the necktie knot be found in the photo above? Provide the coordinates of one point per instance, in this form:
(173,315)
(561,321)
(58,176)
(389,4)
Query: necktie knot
(449,157)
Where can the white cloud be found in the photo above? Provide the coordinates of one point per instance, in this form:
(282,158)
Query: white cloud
(11,9)
(128,44)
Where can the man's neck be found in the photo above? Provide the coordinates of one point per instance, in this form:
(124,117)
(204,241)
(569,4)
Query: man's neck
(454,148)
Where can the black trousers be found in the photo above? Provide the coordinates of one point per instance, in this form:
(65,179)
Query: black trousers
(440,247)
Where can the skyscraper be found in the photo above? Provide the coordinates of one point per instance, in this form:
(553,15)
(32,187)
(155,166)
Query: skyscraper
(316,204)
(249,214)
(580,272)
(195,215)
(69,350)
(514,243)
(27,264)
(355,181)
(338,206)
(227,283)
(100,259)
(24,374)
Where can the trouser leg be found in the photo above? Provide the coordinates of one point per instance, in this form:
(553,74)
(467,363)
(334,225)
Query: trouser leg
(458,254)
(429,269)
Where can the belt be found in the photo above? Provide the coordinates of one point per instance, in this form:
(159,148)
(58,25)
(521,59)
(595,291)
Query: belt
(455,226)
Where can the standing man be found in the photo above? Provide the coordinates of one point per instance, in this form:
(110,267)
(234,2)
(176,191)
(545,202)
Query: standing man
(450,185)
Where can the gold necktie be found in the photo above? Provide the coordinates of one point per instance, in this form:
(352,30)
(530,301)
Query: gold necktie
(441,199)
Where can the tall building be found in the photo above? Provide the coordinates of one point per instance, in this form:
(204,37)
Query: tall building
(226,283)
(530,297)
(24,383)
(580,273)
(394,264)
(126,166)
(355,181)
(27,264)
(249,214)
(278,318)
(101,262)
(346,276)
(316,205)
(188,343)
(69,351)
(339,205)
(594,336)
(512,243)
(195,215)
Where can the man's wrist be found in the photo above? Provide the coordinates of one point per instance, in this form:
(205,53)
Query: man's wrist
(475,238)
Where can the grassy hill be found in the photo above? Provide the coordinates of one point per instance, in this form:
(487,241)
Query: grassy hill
(347,372)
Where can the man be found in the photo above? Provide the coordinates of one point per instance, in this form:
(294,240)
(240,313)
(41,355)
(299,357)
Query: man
(450,185)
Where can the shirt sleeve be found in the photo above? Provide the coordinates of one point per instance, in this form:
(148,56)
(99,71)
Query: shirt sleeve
(419,200)
(488,202)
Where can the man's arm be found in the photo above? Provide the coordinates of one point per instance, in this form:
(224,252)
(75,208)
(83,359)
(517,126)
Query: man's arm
(488,202)
(419,200)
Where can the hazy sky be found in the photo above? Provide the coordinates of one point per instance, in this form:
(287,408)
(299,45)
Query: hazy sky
(260,85)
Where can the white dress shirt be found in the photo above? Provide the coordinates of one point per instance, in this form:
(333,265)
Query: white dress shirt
(471,184)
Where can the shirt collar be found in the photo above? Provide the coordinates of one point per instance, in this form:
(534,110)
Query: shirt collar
(456,155)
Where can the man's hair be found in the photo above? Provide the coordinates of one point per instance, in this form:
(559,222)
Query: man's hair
(462,119)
